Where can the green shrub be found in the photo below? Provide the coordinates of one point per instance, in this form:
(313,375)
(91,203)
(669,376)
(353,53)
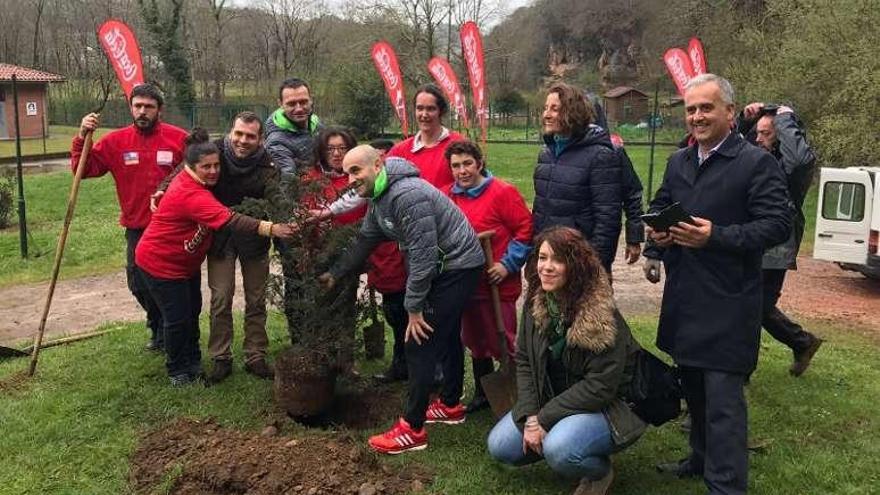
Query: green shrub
(7,197)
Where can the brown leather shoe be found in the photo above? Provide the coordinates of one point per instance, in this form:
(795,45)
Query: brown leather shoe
(261,369)
(220,371)
(596,487)
(802,359)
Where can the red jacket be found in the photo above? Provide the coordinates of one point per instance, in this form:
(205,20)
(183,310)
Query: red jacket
(138,163)
(498,206)
(177,240)
(333,188)
(430,161)
(386,268)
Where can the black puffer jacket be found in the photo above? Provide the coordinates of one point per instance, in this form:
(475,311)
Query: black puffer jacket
(581,188)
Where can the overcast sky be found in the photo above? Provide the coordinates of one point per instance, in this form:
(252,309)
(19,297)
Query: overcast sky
(335,4)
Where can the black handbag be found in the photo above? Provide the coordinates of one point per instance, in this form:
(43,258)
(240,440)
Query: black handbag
(655,391)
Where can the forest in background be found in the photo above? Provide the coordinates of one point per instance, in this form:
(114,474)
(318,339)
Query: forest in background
(817,55)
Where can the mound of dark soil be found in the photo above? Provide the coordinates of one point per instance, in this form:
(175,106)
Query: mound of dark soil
(199,457)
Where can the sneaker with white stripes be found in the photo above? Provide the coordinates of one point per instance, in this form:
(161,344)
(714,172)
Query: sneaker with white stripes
(438,412)
(400,438)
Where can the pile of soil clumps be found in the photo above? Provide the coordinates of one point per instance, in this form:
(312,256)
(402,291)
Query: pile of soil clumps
(189,457)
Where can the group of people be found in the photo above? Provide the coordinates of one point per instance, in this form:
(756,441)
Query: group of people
(424,203)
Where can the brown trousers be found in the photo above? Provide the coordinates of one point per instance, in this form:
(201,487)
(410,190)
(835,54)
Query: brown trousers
(221,281)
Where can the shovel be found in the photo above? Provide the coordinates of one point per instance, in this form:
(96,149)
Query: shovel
(6,352)
(500,385)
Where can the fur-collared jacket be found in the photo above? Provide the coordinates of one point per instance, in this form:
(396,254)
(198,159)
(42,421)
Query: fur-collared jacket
(599,358)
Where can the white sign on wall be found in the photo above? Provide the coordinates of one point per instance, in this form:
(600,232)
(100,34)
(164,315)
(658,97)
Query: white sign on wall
(31,108)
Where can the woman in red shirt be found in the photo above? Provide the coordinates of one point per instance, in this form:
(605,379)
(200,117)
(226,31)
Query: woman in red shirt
(490,203)
(175,244)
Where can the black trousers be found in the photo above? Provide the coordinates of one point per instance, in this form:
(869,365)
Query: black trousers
(180,302)
(449,293)
(138,288)
(397,317)
(719,428)
(775,321)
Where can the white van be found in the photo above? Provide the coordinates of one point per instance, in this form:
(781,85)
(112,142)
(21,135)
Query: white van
(848,219)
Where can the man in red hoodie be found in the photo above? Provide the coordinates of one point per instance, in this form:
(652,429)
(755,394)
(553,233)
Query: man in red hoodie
(138,157)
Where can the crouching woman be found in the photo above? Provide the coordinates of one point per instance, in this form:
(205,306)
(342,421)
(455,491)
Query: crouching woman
(574,362)
(174,245)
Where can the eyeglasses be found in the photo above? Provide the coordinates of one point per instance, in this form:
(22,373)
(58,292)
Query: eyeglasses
(336,149)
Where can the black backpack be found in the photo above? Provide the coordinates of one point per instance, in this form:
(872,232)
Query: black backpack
(655,391)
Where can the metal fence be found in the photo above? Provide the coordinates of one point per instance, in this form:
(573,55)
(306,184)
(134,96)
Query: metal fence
(522,126)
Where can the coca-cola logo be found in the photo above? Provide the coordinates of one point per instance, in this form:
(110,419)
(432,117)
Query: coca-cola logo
(470,54)
(118,48)
(676,66)
(383,59)
(696,59)
(442,78)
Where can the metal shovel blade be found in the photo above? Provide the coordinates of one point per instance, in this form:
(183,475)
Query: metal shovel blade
(500,389)
(6,352)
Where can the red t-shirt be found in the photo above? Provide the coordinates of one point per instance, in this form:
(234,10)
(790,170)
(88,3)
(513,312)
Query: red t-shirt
(137,161)
(499,207)
(177,240)
(430,161)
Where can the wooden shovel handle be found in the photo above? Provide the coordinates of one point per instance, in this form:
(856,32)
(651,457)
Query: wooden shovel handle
(59,251)
(486,243)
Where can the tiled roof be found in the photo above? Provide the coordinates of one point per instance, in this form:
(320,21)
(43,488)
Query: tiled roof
(25,74)
(620,91)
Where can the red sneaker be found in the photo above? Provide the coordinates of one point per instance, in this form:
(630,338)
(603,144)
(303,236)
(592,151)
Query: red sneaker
(438,412)
(400,438)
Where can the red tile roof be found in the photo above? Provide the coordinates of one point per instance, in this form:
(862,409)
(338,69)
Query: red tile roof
(25,74)
(620,91)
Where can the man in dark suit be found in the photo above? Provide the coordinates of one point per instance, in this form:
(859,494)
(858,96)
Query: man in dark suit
(710,319)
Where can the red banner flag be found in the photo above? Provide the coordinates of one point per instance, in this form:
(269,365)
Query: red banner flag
(697,56)
(386,63)
(122,49)
(447,80)
(679,66)
(472,50)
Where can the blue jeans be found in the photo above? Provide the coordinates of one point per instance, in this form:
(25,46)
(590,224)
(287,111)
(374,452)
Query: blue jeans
(180,302)
(576,447)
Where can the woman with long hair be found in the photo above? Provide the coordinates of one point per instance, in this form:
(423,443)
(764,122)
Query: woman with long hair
(174,245)
(574,360)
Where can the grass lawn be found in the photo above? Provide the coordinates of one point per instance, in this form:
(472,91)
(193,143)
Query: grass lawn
(95,244)
(72,427)
(58,140)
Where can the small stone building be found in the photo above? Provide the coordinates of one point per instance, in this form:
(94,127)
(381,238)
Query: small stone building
(625,105)
(32,101)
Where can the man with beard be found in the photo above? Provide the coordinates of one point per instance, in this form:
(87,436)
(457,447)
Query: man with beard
(138,157)
(778,130)
(246,171)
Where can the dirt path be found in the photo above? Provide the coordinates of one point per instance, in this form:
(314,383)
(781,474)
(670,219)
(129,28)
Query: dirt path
(79,305)
(817,290)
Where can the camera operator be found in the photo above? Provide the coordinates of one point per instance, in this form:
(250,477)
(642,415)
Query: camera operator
(778,130)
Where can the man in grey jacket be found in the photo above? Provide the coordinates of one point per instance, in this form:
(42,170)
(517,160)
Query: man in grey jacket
(443,258)
(291,134)
(292,128)
(777,130)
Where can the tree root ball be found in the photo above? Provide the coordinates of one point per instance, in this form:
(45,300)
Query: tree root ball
(304,382)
